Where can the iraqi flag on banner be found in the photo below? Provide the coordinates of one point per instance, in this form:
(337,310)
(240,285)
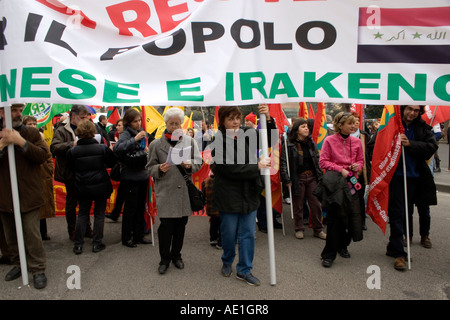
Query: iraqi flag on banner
(414,35)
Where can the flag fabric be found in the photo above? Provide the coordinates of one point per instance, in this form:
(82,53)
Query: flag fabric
(303,110)
(216,119)
(359,109)
(187,122)
(320,129)
(311,114)
(386,155)
(112,116)
(150,206)
(277,113)
(44,112)
(436,114)
(405,35)
(152,120)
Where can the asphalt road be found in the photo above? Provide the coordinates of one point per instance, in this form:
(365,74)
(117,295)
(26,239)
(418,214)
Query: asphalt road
(121,273)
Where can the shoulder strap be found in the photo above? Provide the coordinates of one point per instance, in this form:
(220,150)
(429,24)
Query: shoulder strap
(184,174)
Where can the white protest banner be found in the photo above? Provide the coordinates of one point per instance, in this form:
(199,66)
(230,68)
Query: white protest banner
(224,52)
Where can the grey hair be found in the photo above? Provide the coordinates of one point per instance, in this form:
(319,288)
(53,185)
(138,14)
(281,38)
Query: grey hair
(174,112)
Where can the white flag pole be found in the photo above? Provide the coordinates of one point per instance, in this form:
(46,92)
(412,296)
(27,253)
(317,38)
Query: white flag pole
(266,173)
(289,173)
(16,202)
(406,209)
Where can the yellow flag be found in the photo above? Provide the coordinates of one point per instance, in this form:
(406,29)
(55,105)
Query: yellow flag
(48,133)
(153,119)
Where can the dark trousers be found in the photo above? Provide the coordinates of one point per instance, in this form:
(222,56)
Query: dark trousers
(307,185)
(340,233)
(171,237)
(214,229)
(34,249)
(424,221)
(133,221)
(71,206)
(396,212)
(83,219)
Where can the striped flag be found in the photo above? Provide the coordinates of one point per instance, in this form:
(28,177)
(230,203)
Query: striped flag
(112,116)
(320,129)
(404,35)
(386,155)
(303,110)
(216,119)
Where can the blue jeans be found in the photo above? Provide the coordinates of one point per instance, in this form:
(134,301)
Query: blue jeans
(241,228)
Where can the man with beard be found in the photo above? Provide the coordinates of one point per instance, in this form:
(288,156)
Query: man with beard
(30,152)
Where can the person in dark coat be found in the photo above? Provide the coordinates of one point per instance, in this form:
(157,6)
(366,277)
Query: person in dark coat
(305,173)
(30,153)
(133,178)
(64,138)
(88,161)
(238,182)
(419,144)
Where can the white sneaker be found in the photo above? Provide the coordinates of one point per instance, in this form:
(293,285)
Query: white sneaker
(322,235)
(287,200)
(299,235)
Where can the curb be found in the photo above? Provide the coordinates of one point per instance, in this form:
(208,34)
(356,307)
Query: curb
(443,188)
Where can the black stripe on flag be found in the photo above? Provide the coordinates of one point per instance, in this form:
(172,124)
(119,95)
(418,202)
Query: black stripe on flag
(436,54)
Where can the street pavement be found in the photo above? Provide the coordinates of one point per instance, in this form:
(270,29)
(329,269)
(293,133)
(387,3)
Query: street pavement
(122,273)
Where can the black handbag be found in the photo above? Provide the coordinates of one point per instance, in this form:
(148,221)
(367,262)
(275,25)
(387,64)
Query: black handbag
(115,172)
(136,159)
(196,196)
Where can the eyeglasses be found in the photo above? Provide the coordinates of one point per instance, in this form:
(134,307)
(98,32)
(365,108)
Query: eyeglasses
(409,109)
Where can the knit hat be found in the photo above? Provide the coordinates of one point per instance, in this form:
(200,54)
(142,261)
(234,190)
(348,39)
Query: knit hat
(251,117)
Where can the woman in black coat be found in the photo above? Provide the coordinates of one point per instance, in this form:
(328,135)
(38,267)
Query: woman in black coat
(305,173)
(89,160)
(131,149)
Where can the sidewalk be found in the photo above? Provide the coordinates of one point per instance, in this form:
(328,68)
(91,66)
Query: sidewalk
(442,179)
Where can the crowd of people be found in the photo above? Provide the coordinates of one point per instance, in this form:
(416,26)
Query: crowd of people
(329,186)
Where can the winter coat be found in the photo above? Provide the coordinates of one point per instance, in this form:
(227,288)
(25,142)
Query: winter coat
(63,138)
(124,146)
(88,161)
(48,210)
(28,162)
(423,148)
(294,160)
(172,198)
(237,186)
(334,194)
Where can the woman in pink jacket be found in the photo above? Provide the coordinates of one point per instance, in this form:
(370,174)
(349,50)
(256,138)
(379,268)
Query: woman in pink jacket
(343,154)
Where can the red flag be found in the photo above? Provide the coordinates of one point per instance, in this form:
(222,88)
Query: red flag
(113,116)
(358,108)
(311,112)
(277,113)
(386,155)
(319,122)
(436,114)
(150,205)
(216,119)
(303,110)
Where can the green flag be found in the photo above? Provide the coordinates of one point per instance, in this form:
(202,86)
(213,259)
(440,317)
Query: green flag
(44,112)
